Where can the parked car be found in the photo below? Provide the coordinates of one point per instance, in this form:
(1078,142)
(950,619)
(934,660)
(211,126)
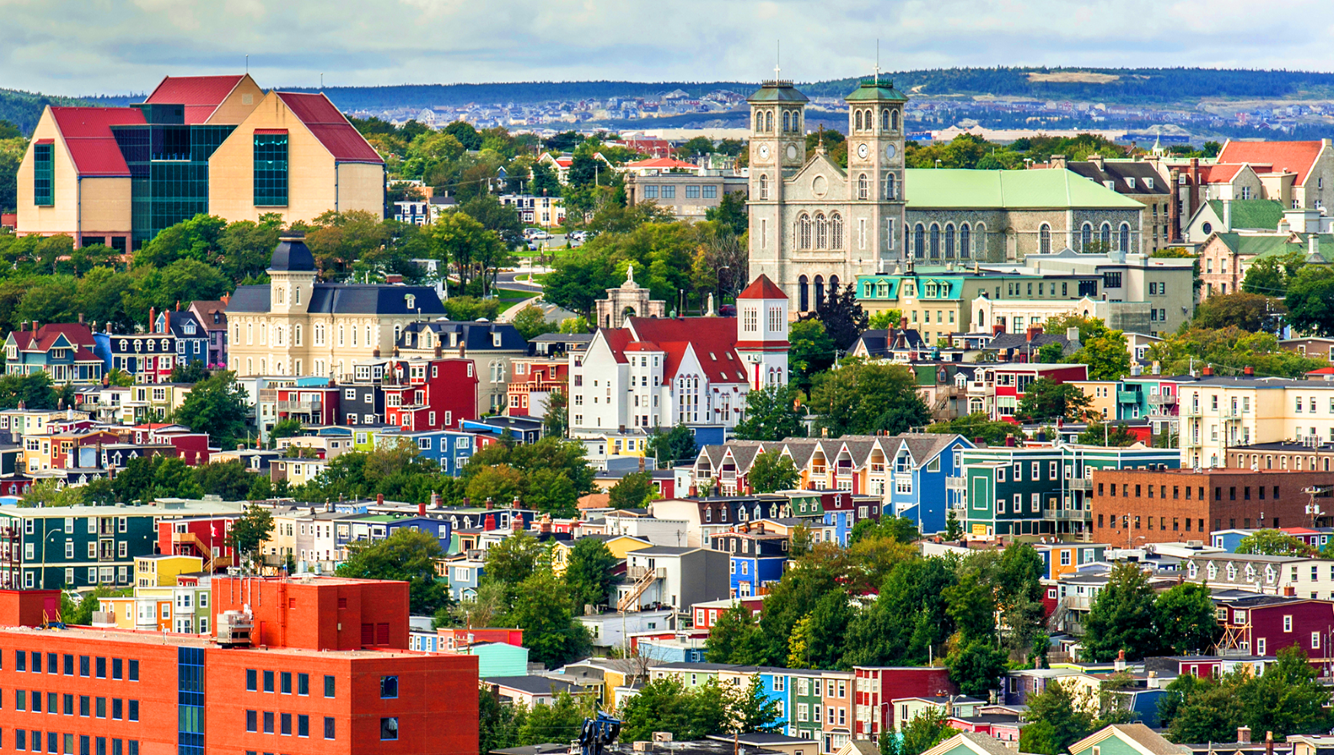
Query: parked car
(727,310)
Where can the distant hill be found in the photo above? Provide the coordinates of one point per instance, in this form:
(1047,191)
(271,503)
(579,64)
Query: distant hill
(23,109)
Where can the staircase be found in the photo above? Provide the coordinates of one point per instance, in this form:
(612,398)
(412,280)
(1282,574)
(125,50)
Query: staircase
(189,544)
(646,578)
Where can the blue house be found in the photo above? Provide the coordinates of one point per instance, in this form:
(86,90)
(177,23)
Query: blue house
(448,449)
(757,558)
(373,528)
(64,352)
(464,577)
(923,465)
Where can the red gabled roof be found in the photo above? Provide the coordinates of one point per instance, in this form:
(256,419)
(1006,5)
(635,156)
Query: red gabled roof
(617,340)
(201,95)
(1297,157)
(78,335)
(331,127)
(87,134)
(1218,173)
(713,340)
(762,288)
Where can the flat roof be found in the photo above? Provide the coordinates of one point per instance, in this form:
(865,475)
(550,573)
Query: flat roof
(108,634)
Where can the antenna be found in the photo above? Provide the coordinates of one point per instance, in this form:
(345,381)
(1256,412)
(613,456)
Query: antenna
(877,61)
(321,82)
(247,62)
(778,59)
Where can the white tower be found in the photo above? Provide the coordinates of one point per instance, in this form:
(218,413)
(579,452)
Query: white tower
(761,339)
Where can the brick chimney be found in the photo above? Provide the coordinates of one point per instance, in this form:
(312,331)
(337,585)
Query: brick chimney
(1243,735)
(1208,371)
(421,509)
(1194,190)
(1033,332)
(1057,162)
(152,318)
(1174,205)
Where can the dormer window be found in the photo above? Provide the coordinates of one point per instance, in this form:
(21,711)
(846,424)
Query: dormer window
(1148,183)
(495,340)
(410,300)
(1130,182)
(189,328)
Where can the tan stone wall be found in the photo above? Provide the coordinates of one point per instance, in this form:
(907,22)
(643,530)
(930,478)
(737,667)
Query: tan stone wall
(106,206)
(361,187)
(61,217)
(235,109)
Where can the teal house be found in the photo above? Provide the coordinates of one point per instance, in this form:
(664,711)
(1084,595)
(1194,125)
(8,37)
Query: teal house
(498,659)
(970,743)
(1126,739)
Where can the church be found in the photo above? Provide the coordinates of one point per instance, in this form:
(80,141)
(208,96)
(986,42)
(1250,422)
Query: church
(814,225)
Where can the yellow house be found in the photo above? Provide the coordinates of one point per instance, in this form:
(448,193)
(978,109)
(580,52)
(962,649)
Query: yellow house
(1101,395)
(619,545)
(161,569)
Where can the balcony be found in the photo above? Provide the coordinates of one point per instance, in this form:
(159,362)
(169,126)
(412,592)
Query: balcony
(1127,397)
(1079,483)
(300,407)
(1191,411)
(637,573)
(956,483)
(1066,515)
(1168,399)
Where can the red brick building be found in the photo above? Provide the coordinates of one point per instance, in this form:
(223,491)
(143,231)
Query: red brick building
(80,691)
(318,613)
(1135,506)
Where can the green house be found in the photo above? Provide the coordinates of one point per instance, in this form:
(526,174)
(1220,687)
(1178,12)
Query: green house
(970,743)
(1126,739)
(499,659)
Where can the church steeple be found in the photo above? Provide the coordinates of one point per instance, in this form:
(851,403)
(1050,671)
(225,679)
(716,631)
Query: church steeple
(875,161)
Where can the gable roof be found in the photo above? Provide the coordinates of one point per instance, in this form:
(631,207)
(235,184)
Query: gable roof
(982,744)
(1297,157)
(1118,171)
(712,339)
(207,309)
(662,163)
(87,135)
(1138,736)
(331,127)
(1008,189)
(762,288)
(201,95)
(1251,213)
(1220,173)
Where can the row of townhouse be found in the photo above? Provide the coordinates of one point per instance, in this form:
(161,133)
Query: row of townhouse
(828,706)
(78,354)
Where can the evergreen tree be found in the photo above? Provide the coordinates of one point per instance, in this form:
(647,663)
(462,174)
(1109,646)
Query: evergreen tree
(589,573)
(754,712)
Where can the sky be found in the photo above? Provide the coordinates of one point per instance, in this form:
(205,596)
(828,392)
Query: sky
(84,47)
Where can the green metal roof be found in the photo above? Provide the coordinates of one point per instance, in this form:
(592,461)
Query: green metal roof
(876,91)
(1279,245)
(1251,213)
(1008,189)
(777,91)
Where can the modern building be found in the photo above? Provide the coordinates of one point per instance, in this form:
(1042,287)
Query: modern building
(296,325)
(200,144)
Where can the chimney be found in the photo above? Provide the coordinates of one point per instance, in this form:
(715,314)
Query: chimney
(1096,159)
(1208,371)
(1194,186)
(379,499)
(1248,371)
(1314,243)
(226,298)
(489,504)
(1289,591)
(997,330)
(489,523)
(1120,663)
(516,503)
(1269,743)
(152,318)
(516,523)
(439,350)
(435,500)
(81,314)
(1057,162)
(421,509)
(1243,735)
(178,305)
(1033,332)
(34,328)
(1174,205)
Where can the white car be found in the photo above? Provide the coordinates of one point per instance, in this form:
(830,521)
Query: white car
(540,235)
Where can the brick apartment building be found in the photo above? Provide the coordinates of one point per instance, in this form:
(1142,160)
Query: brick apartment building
(1136,506)
(81,691)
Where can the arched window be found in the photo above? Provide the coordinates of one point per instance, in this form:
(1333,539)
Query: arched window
(821,232)
(819,291)
(919,241)
(894,120)
(1125,237)
(836,231)
(884,119)
(796,121)
(787,120)
(1044,239)
(764,186)
(935,241)
(804,232)
(769,121)
(890,188)
(803,294)
(1106,237)
(1085,237)
(863,187)
(949,241)
(833,284)
(857,125)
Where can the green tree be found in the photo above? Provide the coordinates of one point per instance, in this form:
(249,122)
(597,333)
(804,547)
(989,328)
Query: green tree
(953,528)
(190,372)
(1310,300)
(810,350)
(1273,543)
(1205,709)
(1101,434)
(672,446)
(1051,352)
(541,609)
(926,730)
(81,613)
(1185,621)
(406,555)
(735,637)
(459,240)
(865,398)
(842,316)
(1055,719)
(896,528)
(632,492)
(771,472)
(771,414)
(498,725)
(979,427)
(589,573)
(886,319)
(754,712)
(250,531)
(558,721)
(557,418)
(1045,400)
(908,622)
(512,560)
(50,493)
(1268,275)
(1287,699)
(531,323)
(1121,617)
(1248,311)
(217,406)
(230,480)
(730,213)
(286,427)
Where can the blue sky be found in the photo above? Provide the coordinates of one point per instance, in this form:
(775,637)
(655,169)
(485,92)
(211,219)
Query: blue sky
(119,46)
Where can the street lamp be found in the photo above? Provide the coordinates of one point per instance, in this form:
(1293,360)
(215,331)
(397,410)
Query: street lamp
(45,537)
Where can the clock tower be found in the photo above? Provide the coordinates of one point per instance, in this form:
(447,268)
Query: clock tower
(777,151)
(875,168)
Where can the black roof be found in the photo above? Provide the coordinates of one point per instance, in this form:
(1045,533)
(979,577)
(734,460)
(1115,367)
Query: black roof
(474,336)
(292,255)
(1117,172)
(534,685)
(356,299)
(879,343)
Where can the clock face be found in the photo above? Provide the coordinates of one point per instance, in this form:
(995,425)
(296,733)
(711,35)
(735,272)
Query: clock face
(764,151)
(791,151)
(862,151)
(890,151)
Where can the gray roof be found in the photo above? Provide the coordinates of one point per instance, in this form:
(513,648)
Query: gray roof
(974,741)
(356,299)
(777,91)
(474,336)
(292,254)
(662,550)
(1118,171)
(533,685)
(879,343)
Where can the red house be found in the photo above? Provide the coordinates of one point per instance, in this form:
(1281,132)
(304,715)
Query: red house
(204,536)
(1010,381)
(707,613)
(533,383)
(1265,624)
(455,638)
(311,405)
(885,683)
(430,394)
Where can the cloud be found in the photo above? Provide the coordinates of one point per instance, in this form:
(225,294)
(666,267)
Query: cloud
(111,46)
